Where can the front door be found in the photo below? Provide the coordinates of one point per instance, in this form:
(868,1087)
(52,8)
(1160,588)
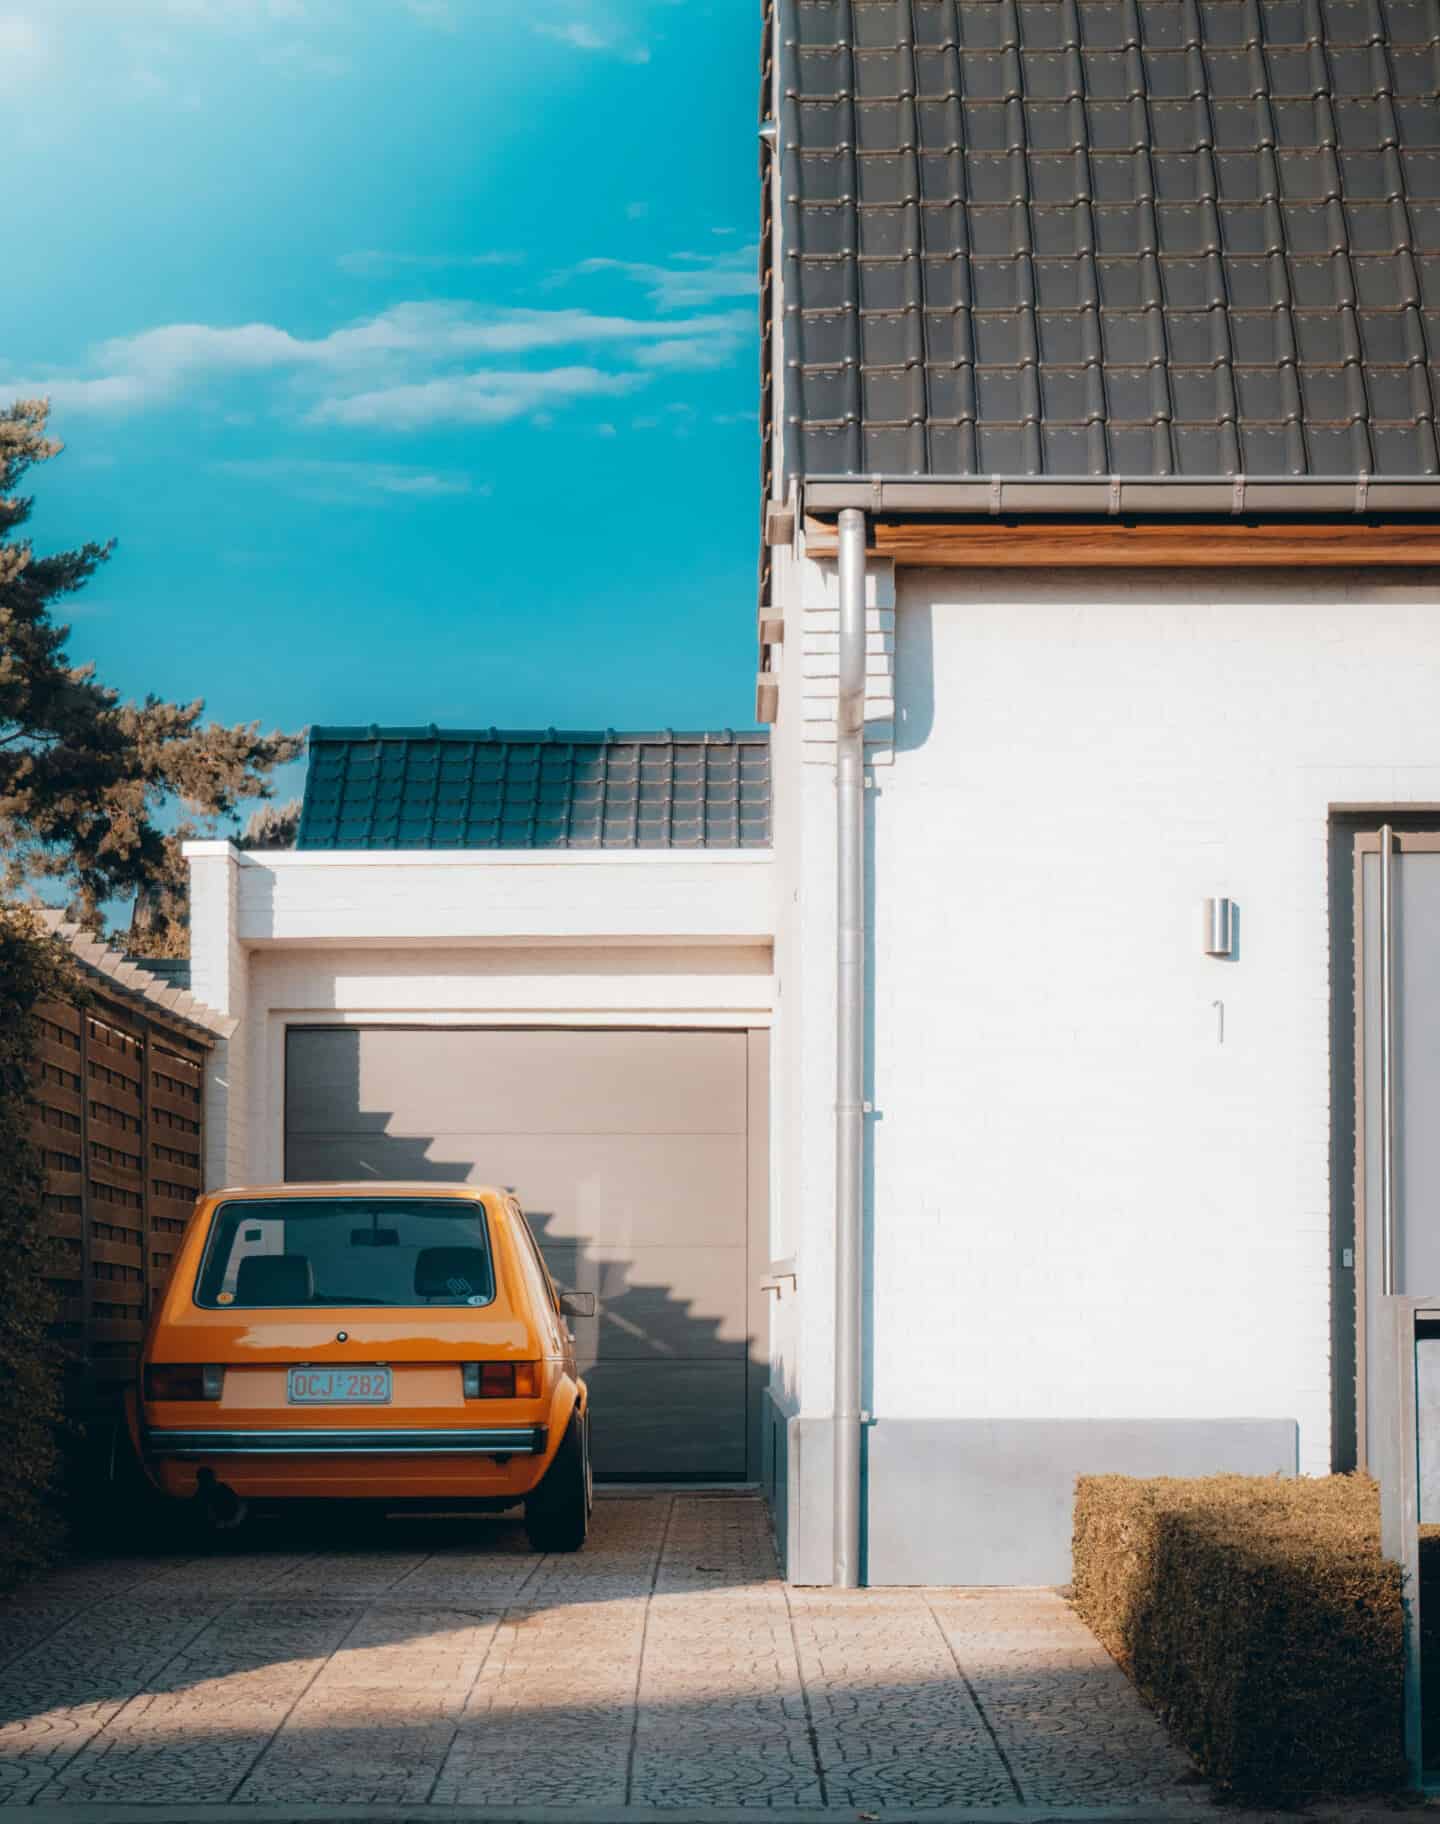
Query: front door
(1397,1052)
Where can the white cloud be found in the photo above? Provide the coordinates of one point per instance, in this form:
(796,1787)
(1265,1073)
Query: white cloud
(349,483)
(492,397)
(416,363)
(22,50)
(233,13)
(688,280)
(684,351)
(581,36)
(160,358)
(372,262)
(156,362)
(520,331)
(113,393)
(18,37)
(300,59)
(311,26)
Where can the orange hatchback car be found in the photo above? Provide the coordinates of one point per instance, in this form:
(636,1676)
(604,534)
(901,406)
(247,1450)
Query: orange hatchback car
(395,1343)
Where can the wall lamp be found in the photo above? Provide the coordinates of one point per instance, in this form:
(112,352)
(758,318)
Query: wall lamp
(1219,927)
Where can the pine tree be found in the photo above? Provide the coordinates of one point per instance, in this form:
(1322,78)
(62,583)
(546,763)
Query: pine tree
(272,826)
(88,789)
(85,778)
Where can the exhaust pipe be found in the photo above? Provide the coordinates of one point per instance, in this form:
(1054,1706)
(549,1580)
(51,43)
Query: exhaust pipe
(221,1506)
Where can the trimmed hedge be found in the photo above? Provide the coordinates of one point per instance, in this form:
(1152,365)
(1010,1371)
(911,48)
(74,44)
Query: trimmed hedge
(1258,1618)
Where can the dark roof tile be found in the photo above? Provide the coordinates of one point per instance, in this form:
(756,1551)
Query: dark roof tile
(1101,238)
(397,788)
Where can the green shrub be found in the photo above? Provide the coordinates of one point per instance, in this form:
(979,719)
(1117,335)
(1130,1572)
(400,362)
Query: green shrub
(32,968)
(1258,1618)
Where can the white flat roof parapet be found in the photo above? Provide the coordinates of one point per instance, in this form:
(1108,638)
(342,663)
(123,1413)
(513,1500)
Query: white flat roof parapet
(505,895)
(209,846)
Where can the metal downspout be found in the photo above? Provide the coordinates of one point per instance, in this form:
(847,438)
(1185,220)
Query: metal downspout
(849,1042)
(1387,1060)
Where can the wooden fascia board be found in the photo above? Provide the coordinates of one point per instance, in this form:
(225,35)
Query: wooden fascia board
(1189,545)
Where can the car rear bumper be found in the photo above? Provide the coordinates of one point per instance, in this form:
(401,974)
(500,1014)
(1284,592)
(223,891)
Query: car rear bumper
(351,1441)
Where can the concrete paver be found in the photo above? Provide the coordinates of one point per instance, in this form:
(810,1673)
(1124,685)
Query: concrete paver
(430,1664)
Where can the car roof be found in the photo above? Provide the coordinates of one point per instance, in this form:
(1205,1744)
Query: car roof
(407,1188)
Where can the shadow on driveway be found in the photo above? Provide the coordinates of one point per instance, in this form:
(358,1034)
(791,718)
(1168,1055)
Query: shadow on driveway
(414,1661)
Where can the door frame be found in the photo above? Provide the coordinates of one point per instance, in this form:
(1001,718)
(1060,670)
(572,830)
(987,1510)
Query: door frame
(1367,842)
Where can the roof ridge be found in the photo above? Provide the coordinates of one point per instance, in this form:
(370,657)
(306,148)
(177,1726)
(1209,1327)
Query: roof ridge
(539,737)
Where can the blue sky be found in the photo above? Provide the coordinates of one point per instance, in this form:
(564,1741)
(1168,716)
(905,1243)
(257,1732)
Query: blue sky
(407,347)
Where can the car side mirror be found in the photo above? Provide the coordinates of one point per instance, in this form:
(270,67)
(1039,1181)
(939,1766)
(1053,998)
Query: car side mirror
(577,1304)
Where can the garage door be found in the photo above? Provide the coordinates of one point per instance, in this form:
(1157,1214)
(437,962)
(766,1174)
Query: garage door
(638,1159)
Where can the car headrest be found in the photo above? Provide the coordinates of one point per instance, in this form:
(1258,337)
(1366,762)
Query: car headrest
(275,1279)
(453,1273)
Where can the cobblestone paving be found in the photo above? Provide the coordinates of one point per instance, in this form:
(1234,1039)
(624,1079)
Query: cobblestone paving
(666,1665)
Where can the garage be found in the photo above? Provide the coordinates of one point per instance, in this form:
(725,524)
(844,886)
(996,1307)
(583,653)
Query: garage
(639,1157)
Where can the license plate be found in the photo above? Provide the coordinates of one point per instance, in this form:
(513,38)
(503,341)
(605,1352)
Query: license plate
(339,1387)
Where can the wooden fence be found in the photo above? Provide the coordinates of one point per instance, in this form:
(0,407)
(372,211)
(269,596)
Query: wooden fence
(119,1119)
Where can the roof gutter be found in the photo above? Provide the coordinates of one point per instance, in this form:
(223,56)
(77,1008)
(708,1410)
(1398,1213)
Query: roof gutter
(1112,496)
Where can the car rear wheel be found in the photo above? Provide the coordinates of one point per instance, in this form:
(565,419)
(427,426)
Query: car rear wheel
(557,1515)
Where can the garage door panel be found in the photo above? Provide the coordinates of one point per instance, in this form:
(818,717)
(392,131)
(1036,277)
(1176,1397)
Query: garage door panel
(632,1190)
(358,1158)
(322,1083)
(400,1080)
(630,1154)
(693,1425)
(657,1304)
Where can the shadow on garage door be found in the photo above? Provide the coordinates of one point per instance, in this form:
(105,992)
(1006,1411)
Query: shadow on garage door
(640,1160)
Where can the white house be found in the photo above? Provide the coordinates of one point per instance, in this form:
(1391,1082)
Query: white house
(1051,1097)
(1100,351)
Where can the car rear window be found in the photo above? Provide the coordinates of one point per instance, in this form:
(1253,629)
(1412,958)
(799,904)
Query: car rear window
(347,1251)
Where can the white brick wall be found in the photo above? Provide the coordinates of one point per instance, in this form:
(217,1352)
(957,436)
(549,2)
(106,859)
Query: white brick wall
(819,653)
(1083,1205)
(803,1038)
(219,977)
(559,895)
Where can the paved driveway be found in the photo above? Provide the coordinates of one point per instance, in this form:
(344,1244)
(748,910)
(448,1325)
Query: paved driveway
(441,1663)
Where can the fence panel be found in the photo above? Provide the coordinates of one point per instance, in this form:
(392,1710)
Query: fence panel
(119,1120)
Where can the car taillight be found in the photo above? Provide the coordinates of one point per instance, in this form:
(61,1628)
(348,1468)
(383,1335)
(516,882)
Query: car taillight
(501,1380)
(184,1381)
